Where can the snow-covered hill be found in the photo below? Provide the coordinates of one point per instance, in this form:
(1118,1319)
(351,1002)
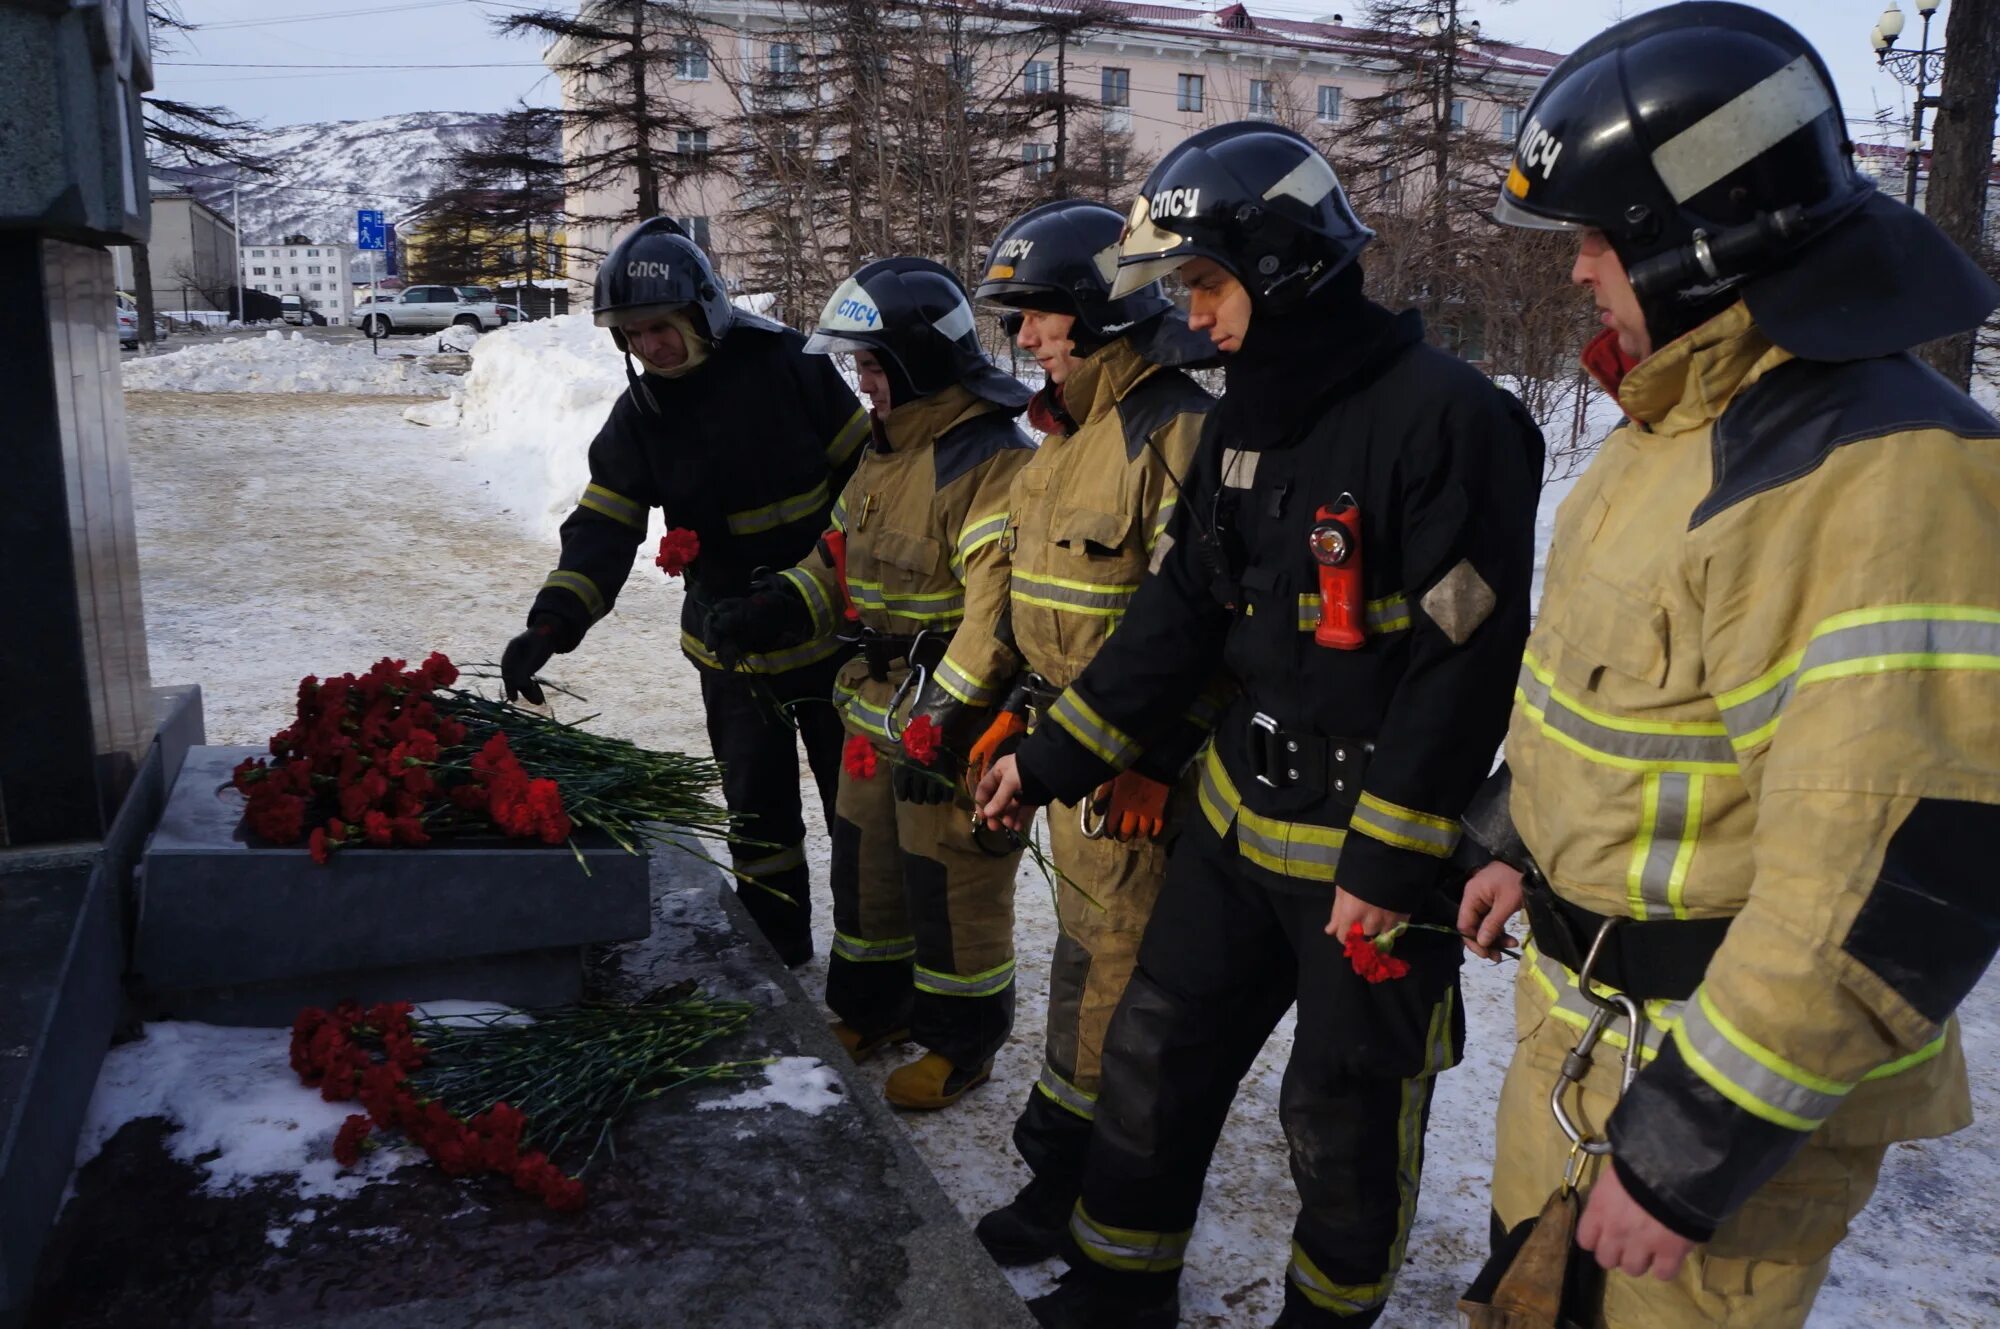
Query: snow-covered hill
(327,171)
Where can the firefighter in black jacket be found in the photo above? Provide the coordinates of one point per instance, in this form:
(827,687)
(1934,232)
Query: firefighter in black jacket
(1354,550)
(737,434)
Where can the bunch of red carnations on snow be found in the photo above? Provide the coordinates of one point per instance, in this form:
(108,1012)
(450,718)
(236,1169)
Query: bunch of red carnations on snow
(507,1093)
(401,756)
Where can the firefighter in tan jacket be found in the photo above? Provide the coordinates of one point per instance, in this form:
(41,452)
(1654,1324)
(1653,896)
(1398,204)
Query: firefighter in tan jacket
(923,941)
(1755,751)
(1120,421)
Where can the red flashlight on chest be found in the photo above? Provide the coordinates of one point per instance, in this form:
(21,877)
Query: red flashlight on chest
(1335,542)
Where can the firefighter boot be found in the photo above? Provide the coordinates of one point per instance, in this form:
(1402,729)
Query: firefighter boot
(1029,1228)
(1085,1299)
(862,1046)
(932,1082)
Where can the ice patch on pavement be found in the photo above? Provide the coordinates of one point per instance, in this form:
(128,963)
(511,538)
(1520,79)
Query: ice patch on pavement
(436,414)
(804,1083)
(276,363)
(240,1113)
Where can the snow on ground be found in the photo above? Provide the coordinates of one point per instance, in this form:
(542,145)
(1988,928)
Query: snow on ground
(281,537)
(804,1084)
(288,363)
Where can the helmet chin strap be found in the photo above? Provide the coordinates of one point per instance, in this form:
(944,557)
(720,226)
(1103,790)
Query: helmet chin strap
(636,382)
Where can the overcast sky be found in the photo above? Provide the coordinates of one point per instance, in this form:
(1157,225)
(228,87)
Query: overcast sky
(372,33)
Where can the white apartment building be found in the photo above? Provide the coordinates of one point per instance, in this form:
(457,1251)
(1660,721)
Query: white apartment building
(1154,73)
(317,274)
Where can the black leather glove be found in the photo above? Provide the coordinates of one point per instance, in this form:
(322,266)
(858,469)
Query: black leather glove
(524,657)
(935,783)
(772,616)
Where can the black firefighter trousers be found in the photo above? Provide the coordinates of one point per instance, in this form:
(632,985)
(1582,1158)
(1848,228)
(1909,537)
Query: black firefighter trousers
(755,725)
(1223,957)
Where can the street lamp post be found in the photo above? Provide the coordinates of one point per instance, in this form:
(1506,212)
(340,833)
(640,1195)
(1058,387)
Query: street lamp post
(1916,69)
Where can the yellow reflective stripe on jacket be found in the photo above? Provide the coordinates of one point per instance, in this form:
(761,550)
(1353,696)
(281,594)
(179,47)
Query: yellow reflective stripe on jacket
(860,950)
(976,535)
(837,519)
(1389,614)
(774,662)
(771,516)
(1133,1250)
(1106,741)
(1558,985)
(582,587)
(610,503)
(923,607)
(860,713)
(782,861)
(1289,848)
(842,445)
(1864,641)
(1751,1075)
(1065,595)
(1066,1095)
(1669,827)
(1406,828)
(1160,520)
(1693,746)
(986,983)
(967,688)
(824,619)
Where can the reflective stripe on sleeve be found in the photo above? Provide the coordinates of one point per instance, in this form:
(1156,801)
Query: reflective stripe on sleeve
(625,511)
(773,662)
(842,445)
(1131,1250)
(1406,828)
(1692,746)
(1888,639)
(986,983)
(976,535)
(1751,1075)
(824,620)
(582,587)
(860,950)
(1104,740)
(1160,519)
(967,688)
(799,507)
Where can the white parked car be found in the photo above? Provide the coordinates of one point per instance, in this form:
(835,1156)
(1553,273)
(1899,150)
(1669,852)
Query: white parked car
(424,309)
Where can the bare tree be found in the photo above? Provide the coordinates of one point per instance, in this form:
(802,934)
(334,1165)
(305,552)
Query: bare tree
(493,216)
(1962,153)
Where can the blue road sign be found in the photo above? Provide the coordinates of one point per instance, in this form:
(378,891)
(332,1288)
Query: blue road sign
(368,229)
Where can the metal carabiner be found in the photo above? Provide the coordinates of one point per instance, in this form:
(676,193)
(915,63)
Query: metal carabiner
(918,675)
(1576,1064)
(1101,829)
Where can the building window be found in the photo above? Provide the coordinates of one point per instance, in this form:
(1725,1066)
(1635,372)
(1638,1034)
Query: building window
(696,227)
(1117,86)
(1510,122)
(1187,92)
(317,287)
(295,269)
(1329,104)
(1038,76)
(1393,104)
(1038,160)
(691,142)
(256,253)
(257,272)
(1263,99)
(1458,115)
(312,253)
(959,66)
(690,58)
(258,286)
(313,268)
(784,57)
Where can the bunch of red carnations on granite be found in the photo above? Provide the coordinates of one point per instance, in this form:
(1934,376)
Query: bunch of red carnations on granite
(567,1074)
(400,756)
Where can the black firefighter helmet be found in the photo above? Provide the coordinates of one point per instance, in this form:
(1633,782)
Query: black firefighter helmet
(656,267)
(1062,257)
(1255,198)
(913,316)
(1705,140)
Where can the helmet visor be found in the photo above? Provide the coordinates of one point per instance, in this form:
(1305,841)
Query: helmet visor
(1148,252)
(1511,210)
(626,315)
(850,322)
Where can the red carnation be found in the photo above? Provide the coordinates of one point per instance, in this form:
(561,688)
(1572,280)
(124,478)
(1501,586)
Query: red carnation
(1371,959)
(438,671)
(921,740)
(317,845)
(375,828)
(347,1144)
(858,758)
(678,548)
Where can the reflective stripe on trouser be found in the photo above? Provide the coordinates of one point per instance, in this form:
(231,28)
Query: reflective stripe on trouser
(923,922)
(759,753)
(1764,1265)
(1222,959)
(1096,950)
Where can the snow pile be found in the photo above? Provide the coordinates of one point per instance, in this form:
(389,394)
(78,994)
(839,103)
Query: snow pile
(276,362)
(242,1115)
(803,1083)
(458,337)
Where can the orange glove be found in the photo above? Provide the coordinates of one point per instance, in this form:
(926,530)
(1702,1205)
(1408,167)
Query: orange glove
(1002,736)
(1133,805)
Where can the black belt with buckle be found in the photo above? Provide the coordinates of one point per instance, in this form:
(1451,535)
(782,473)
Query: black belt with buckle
(1282,758)
(1646,959)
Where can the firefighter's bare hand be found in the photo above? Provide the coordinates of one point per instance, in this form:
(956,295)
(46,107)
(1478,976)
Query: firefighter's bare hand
(1351,909)
(1492,896)
(998,797)
(1624,1236)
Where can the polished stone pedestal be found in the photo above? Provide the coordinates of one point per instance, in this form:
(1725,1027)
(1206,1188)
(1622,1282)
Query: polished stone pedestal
(234,931)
